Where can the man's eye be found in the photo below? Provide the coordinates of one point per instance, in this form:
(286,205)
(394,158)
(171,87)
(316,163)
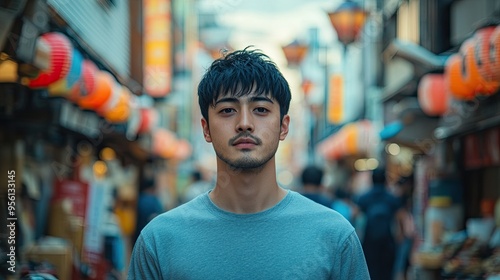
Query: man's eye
(227,110)
(261,110)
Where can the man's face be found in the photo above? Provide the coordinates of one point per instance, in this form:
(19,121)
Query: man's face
(245,131)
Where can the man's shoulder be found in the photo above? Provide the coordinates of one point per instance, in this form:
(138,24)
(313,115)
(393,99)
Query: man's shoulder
(320,218)
(183,213)
(308,207)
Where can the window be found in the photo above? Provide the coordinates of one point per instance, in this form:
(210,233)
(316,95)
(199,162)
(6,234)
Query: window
(408,21)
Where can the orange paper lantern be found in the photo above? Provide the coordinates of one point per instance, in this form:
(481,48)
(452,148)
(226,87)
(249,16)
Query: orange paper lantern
(112,101)
(121,111)
(295,53)
(433,96)
(348,20)
(454,79)
(102,91)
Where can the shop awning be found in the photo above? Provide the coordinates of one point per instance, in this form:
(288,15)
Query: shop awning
(423,59)
(411,126)
(357,138)
(418,59)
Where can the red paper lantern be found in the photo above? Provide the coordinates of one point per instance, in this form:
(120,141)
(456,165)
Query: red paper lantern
(101,93)
(149,119)
(86,84)
(495,53)
(433,96)
(59,61)
(63,86)
(482,52)
(471,74)
(454,78)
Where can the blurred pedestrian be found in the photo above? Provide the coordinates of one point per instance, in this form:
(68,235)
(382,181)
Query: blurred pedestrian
(406,231)
(343,204)
(312,187)
(148,206)
(379,207)
(247,227)
(198,186)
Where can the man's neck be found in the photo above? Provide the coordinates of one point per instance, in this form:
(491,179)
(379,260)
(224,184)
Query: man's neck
(246,192)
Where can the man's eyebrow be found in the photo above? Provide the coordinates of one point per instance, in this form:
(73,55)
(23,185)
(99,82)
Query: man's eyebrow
(227,99)
(236,100)
(261,98)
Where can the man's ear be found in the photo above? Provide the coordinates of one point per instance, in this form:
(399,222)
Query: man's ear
(284,127)
(206,131)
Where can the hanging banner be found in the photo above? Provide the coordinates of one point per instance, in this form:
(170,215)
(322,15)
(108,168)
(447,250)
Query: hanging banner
(157,47)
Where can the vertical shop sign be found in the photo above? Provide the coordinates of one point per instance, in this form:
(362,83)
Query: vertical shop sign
(68,211)
(96,215)
(336,99)
(157,47)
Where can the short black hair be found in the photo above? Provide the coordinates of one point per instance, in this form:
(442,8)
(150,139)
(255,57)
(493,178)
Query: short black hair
(378,176)
(340,193)
(312,175)
(239,73)
(196,175)
(147,183)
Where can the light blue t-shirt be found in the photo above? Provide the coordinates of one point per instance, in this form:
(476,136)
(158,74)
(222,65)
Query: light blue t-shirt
(295,239)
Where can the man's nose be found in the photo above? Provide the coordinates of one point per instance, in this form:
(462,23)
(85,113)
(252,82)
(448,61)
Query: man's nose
(245,121)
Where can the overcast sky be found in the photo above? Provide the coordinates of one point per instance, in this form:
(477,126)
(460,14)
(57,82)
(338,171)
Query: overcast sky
(270,24)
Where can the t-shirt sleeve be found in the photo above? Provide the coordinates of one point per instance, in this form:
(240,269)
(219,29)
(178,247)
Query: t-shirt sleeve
(143,263)
(352,263)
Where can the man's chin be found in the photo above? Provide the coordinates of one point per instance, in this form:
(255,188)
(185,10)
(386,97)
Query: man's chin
(245,165)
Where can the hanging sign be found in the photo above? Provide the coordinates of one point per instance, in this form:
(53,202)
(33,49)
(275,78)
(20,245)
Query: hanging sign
(157,47)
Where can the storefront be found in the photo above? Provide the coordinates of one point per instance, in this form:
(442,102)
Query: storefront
(78,137)
(460,227)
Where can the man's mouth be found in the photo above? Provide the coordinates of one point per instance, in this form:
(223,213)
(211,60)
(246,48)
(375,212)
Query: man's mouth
(245,142)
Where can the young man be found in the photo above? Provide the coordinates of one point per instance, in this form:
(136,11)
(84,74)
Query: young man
(247,227)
